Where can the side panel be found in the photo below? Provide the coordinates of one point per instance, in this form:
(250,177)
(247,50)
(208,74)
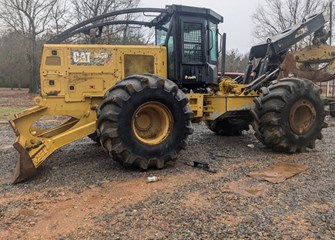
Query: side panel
(223,106)
(212,107)
(76,72)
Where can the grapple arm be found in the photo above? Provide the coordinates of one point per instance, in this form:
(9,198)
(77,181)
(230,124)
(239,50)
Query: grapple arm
(316,63)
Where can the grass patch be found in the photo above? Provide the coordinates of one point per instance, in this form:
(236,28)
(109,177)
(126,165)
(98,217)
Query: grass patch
(7,113)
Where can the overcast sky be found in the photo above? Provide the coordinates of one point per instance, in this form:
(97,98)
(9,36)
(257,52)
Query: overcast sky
(237,18)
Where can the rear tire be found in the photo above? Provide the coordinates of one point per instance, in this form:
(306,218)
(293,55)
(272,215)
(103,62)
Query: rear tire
(228,126)
(289,115)
(144,121)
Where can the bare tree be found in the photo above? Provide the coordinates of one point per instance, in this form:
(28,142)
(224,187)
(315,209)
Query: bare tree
(274,16)
(85,9)
(59,17)
(125,34)
(30,19)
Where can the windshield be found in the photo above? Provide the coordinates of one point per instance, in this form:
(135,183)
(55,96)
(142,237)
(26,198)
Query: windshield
(213,42)
(161,33)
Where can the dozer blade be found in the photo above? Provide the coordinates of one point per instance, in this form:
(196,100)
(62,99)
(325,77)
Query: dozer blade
(24,168)
(35,144)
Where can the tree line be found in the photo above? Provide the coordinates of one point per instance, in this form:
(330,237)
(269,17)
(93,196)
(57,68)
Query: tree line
(27,24)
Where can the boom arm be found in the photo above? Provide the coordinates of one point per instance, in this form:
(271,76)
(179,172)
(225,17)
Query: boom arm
(279,44)
(275,50)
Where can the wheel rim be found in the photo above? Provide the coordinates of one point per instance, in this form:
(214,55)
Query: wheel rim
(302,117)
(152,123)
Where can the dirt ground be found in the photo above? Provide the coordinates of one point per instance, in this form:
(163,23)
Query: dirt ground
(80,193)
(15,98)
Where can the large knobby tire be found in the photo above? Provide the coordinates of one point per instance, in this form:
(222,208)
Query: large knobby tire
(228,126)
(289,115)
(144,121)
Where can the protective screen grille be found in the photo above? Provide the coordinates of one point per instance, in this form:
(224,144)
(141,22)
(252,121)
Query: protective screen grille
(192,42)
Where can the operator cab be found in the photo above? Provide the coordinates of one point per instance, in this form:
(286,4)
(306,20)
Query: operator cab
(191,37)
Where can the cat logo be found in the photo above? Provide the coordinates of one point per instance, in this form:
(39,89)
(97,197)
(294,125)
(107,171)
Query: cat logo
(301,32)
(81,57)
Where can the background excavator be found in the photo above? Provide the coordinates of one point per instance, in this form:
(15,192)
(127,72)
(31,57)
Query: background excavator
(138,102)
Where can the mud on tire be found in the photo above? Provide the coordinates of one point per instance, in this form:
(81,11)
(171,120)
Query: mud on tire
(122,138)
(289,115)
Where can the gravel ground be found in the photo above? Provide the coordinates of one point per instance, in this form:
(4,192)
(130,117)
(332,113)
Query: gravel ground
(79,193)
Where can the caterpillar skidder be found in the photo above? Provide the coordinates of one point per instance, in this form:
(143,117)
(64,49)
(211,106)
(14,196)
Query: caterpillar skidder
(138,102)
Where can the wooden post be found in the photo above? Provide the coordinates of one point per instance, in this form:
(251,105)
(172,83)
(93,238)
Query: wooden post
(331,35)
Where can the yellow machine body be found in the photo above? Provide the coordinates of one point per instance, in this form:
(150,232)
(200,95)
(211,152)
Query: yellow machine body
(228,99)
(74,79)
(145,120)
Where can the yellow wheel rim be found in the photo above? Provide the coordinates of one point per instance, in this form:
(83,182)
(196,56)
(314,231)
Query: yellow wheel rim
(302,117)
(152,123)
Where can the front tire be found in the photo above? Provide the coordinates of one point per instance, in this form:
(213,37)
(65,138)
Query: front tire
(144,121)
(289,115)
